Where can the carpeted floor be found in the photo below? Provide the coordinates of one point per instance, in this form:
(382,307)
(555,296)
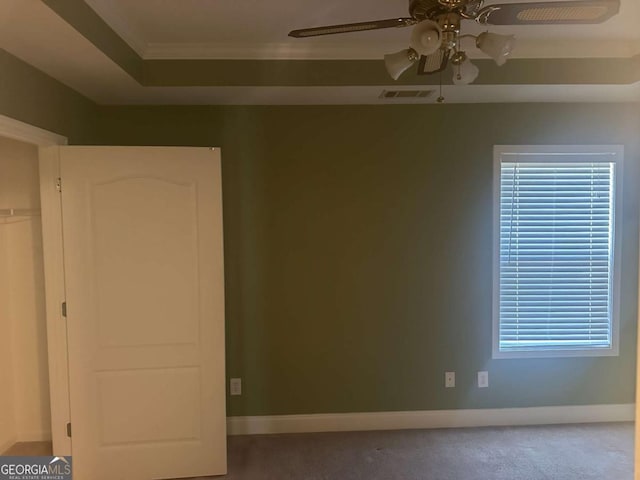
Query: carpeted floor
(565,452)
(562,452)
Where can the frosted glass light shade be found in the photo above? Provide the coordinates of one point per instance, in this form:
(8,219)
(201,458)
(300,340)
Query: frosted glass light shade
(398,63)
(498,47)
(426,37)
(467,71)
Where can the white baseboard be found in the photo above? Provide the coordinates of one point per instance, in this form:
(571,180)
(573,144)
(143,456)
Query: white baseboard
(7,444)
(340,422)
(34,436)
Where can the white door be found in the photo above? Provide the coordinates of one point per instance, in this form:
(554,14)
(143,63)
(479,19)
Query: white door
(142,232)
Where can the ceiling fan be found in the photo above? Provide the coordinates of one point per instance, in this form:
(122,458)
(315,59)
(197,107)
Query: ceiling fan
(436,39)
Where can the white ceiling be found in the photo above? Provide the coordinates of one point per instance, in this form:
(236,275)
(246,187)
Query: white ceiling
(245,29)
(34,33)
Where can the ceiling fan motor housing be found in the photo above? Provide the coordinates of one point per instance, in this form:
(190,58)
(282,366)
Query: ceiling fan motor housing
(429,9)
(450,25)
(452,3)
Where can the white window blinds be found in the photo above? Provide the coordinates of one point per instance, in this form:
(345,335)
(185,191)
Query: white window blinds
(556,223)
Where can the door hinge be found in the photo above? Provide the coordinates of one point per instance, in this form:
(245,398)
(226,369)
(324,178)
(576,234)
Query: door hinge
(69,430)
(59,184)
(64,309)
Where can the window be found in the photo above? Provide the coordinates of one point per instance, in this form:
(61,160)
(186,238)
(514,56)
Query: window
(557,251)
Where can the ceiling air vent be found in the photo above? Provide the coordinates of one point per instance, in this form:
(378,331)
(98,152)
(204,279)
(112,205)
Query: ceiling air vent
(404,94)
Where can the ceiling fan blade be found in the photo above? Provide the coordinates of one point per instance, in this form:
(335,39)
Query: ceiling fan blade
(549,13)
(353,27)
(434,63)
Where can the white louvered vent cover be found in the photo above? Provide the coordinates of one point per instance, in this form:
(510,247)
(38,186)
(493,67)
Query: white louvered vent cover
(556,255)
(403,94)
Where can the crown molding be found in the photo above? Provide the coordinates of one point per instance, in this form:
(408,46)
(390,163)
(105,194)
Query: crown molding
(575,48)
(107,10)
(265,51)
(525,48)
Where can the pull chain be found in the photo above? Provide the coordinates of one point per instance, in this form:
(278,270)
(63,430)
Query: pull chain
(440,98)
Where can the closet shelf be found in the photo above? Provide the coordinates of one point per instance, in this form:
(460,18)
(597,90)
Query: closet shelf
(18,212)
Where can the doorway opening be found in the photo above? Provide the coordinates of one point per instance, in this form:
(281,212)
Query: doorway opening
(25,412)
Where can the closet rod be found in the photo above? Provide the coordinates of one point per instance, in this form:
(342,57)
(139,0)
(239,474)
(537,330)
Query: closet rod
(18,212)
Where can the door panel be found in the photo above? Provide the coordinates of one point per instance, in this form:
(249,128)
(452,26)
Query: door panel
(144,281)
(125,398)
(163,248)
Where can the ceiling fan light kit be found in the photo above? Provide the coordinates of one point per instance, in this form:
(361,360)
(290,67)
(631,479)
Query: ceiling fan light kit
(426,37)
(496,46)
(399,62)
(436,37)
(465,71)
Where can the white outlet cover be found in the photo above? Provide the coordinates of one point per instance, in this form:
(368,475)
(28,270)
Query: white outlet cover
(449,379)
(483,379)
(235,386)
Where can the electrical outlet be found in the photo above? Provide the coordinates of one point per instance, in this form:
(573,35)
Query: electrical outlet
(449,379)
(235,386)
(483,379)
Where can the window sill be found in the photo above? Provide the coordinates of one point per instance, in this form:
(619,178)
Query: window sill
(599,352)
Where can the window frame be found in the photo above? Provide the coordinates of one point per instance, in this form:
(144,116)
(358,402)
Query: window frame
(546,153)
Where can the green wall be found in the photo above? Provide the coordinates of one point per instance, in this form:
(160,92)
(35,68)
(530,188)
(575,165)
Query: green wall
(28,95)
(358,243)
(358,249)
